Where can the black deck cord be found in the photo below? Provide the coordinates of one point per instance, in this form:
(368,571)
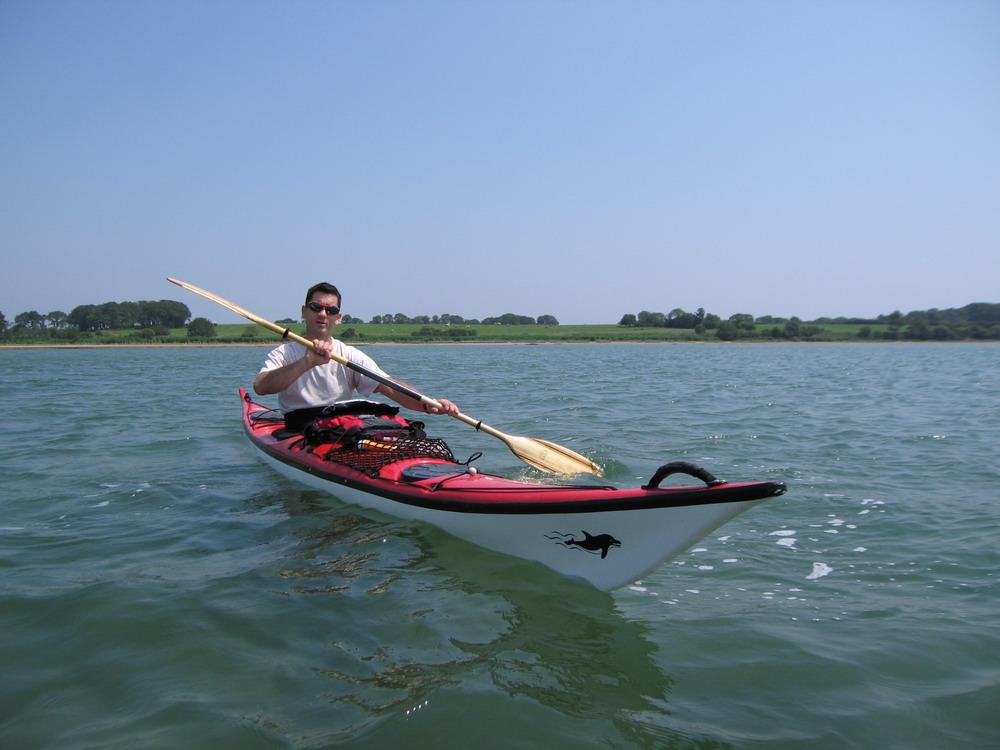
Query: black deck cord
(474,457)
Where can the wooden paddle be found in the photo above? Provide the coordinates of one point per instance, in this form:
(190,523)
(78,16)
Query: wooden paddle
(538,453)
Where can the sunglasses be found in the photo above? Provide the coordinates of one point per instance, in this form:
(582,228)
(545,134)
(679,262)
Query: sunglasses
(330,310)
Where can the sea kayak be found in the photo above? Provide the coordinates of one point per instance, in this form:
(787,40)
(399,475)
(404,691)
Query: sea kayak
(607,536)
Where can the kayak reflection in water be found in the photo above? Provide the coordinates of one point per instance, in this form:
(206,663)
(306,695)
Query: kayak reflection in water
(304,378)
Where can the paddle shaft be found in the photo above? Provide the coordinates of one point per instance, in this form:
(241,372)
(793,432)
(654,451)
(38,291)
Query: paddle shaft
(384,380)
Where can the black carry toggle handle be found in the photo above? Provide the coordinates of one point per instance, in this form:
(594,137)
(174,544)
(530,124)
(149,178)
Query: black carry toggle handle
(682,467)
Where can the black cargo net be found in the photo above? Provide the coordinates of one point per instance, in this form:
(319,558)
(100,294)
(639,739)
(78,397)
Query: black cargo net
(372,453)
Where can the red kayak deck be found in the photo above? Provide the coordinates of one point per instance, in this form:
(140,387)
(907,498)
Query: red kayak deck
(455,487)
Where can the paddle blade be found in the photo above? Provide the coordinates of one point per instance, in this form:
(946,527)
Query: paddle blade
(285,333)
(550,457)
(214,297)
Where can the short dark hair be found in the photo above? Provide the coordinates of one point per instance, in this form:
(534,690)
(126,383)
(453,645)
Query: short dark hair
(324,288)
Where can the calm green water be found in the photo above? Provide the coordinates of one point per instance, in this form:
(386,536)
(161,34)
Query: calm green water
(159,587)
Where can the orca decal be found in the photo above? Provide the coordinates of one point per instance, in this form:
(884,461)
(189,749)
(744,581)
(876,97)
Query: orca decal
(591,544)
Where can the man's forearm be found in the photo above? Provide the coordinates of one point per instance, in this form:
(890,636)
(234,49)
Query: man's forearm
(401,398)
(275,381)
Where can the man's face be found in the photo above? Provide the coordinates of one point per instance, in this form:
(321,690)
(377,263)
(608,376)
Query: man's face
(318,316)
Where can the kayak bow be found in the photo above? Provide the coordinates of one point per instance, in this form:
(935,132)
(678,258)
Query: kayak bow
(608,536)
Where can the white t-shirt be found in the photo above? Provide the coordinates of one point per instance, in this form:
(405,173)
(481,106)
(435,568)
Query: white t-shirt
(324,384)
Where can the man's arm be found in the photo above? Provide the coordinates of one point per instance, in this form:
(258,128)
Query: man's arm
(278,379)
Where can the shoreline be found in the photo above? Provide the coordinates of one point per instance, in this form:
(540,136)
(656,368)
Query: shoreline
(276,342)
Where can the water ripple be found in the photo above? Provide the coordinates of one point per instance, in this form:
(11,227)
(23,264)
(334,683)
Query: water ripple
(161,587)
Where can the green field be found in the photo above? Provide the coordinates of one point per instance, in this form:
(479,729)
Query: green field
(373,333)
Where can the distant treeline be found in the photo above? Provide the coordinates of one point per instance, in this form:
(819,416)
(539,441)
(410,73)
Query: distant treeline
(507,319)
(979,320)
(424,332)
(738,326)
(106,317)
(148,320)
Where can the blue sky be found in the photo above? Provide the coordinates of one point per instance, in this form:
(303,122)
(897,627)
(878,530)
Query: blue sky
(579,159)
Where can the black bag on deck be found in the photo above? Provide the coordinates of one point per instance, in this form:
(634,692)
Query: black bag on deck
(297,419)
(350,424)
(349,431)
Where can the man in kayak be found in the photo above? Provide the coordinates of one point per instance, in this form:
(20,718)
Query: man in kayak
(303,377)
